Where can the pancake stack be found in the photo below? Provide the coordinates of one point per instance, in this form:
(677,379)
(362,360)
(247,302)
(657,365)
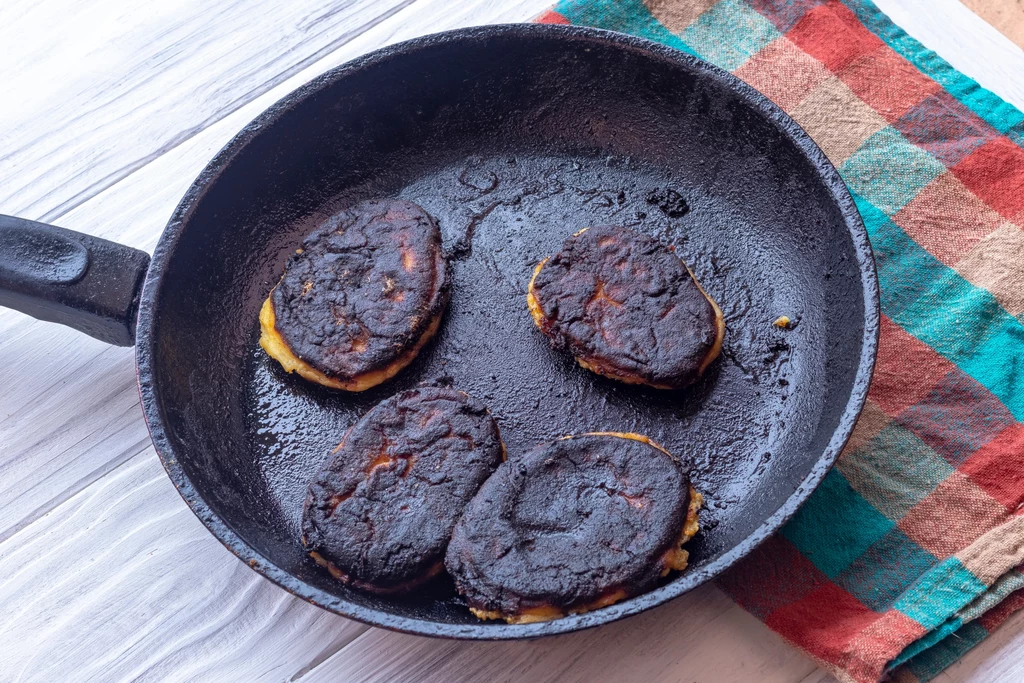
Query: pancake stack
(360,298)
(626,307)
(379,514)
(573,525)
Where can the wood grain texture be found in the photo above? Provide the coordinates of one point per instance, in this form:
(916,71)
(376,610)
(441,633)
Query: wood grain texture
(105,571)
(152,77)
(122,582)
(1007,16)
(123,88)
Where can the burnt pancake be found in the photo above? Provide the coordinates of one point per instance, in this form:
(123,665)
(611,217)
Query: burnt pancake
(574,525)
(626,307)
(379,514)
(360,298)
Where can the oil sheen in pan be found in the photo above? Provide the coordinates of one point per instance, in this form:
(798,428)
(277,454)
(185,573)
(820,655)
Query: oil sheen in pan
(499,215)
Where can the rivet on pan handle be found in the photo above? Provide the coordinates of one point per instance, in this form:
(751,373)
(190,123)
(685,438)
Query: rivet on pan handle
(67,277)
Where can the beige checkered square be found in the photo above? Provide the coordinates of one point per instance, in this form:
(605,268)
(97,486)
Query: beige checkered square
(838,120)
(952,516)
(675,15)
(947,219)
(996,263)
(872,420)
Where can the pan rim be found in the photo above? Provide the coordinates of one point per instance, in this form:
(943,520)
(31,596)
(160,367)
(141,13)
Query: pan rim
(162,256)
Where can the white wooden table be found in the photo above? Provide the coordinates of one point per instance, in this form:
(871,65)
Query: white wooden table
(108,110)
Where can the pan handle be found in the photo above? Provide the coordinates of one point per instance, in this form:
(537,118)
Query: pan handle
(67,277)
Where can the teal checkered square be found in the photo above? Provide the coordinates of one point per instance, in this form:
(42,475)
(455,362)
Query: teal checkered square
(853,526)
(749,32)
(940,594)
(889,171)
(933,661)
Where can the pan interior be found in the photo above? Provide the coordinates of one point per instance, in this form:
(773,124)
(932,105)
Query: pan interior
(513,142)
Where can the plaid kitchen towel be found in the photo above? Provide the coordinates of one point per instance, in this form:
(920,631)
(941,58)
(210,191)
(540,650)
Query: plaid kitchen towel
(908,554)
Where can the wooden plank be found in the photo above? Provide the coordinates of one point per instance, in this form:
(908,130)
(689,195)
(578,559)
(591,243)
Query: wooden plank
(68,410)
(102,88)
(68,415)
(700,637)
(122,582)
(819,676)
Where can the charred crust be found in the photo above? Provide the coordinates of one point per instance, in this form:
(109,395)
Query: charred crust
(363,290)
(380,512)
(671,203)
(626,307)
(573,525)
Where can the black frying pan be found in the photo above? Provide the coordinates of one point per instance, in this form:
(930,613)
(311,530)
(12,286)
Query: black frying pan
(514,137)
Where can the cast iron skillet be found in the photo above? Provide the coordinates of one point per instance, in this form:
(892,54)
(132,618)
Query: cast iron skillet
(514,137)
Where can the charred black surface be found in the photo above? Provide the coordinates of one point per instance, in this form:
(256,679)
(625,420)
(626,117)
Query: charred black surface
(363,289)
(382,509)
(568,523)
(671,203)
(624,303)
